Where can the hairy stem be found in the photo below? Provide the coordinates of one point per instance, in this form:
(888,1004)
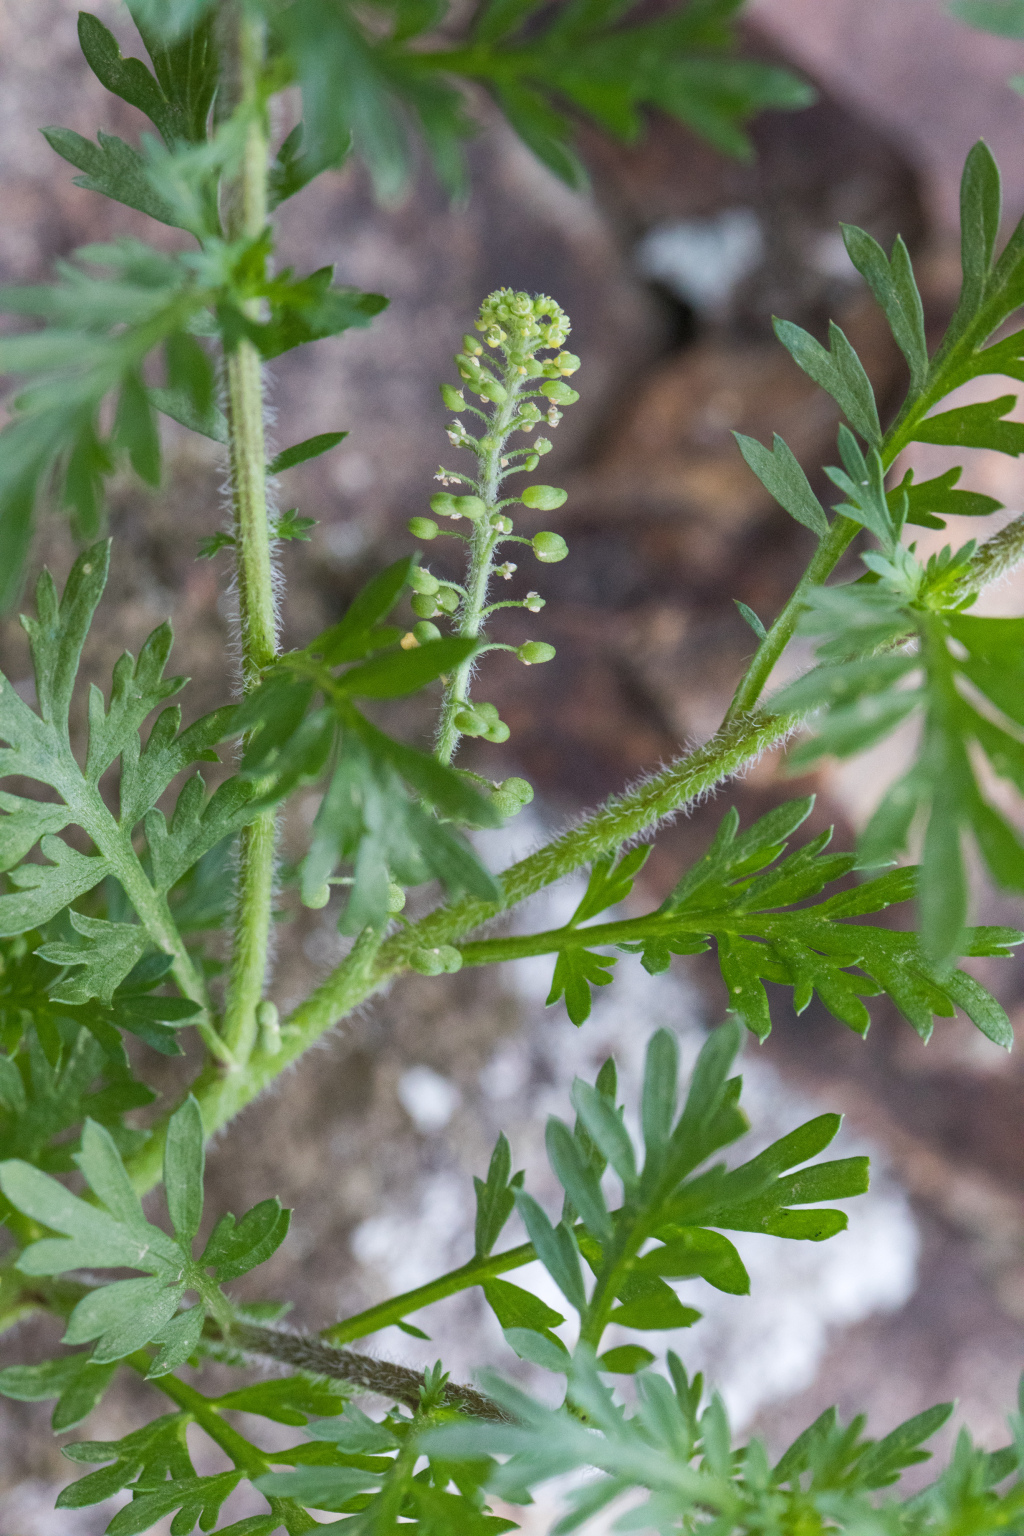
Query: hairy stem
(246,218)
(304,1352)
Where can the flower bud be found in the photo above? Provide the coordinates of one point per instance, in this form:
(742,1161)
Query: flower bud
(534,652)
(396,897)
(503,524)
(471,346)
(453,398)
(560,393)
(424,605)
(544,498)
(506,571)
(567,363)
(542,445)
(423,528)
(447,600)
(268,1022)
(318,898)
(424,632)
(467,506)
(550,547)
(422,581)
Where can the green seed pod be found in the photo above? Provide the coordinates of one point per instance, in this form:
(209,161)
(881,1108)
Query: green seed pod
(423,528)
(542,445)
(453,398)
(505,805)
(550,547)
(318,898)
(487,712)
(443,503)
(535,651)
(424,605)
(498,732)
(425,632)
(490,389)
(560,393)
(531,463)
(396,897)
(471,346)
(422,581)
(544,498)
(468,506)
(567,363)
(447,600)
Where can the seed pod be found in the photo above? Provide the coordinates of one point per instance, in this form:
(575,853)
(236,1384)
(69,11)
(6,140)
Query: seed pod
(422,581)
(443,503)
(534,652)
(318,898)
(560,393)
(467,506)
(423,528)
(425,632)
(424,605)
(521,789)
(544,498)
(268,1022)
(550,547)
(453,398)
(396,897)
(447,600)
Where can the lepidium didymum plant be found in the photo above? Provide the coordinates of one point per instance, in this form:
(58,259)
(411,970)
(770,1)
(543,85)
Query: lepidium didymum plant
(112,931)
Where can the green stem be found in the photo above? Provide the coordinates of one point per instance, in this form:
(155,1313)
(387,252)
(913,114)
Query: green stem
(486,539)
(246,219)
(476,1272)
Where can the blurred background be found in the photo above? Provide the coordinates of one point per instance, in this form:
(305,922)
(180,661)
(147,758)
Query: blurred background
(670,269)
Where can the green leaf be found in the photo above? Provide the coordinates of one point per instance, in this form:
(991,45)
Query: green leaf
(605,1128)
(101,1164)
(839,372)
(180,407)
(318,1487)
(76,1383)
(184,1164)
(778,470)
(123,1316)
(236,1248)
(975,426)
(180,42)
(199,1498)
(350,640)
(311,448)
(980,208)
(400,672)
(930,501)
(147,1453)
(884,1461)
(891,280)
(516,1308)
(288,1400)
(127,78)
(114,169)
(555,1248)
(626,1360)
(579,1181)
(178,1341)
(658,1102)
(611,880)
(1003,17)
(495,1200)
(112,950)
(576,971)
(660,1310)
(539,1348)
(694,1252)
